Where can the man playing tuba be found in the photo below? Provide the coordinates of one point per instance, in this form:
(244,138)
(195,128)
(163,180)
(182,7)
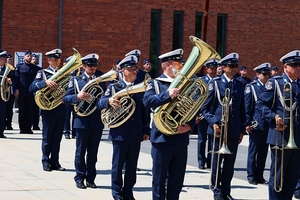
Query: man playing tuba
(126,137)
(169,152)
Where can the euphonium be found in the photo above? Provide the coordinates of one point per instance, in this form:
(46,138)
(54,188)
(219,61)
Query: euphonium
(114,117)
(4,86)
(47,98)
(86,107)
(193,92)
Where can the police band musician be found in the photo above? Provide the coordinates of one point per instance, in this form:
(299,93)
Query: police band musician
(229,89)
(88,128)
(53,120)
(168,152)
(279,105)
(126,137)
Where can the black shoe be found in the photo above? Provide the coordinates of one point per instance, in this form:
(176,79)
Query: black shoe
(262,181)
(131,198)
(80,185)
(117,198)
(252,181)
(218,197)
(58,168)
(67,136)
(2,136)
(36,128)
(9,128)
(47,168)
(228,197)
(201,167)
(73,136)
(138,169)
(91,184)
(297,195)
(26,132)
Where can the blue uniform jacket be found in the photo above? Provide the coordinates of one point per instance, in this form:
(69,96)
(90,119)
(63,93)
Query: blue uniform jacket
(24,76)
(268,104)
(153,99)
(40,83)
(212,108)
(252,90)
(137,125)
(91,121)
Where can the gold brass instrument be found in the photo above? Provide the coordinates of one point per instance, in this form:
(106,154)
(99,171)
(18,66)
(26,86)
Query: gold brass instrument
(193,92)
(47,98)
(114,117)
(287,87)
(223,136)
(86,107)
(4,86)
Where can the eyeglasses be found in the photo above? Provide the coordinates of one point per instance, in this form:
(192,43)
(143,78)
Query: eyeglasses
(294,64)
(233,65)
(91,65)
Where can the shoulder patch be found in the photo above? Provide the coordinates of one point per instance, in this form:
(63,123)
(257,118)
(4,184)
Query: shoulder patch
(38,75)
(269,85)
(247,89)
(210,86)
(149,86)
(107,92)
(71,83)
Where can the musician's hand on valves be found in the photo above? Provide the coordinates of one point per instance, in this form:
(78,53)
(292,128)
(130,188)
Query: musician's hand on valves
(8,80)
(183,128)
(174,92)
(114,102)
(279,123)
(51,84)
(83,95)
(217,130)
(145,137)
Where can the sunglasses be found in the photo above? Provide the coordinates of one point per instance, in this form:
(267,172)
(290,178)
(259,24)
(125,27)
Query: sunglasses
(294,64)
(265,74)
(131,69)
(233,65)
(92,65)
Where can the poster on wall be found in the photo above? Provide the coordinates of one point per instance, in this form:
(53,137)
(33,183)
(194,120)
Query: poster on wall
(19,58)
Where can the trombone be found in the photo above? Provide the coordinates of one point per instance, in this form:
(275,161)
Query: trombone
(291,142)
(223,137)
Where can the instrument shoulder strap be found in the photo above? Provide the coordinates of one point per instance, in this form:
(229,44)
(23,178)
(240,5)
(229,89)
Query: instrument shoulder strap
(281,99)
(218,94)
(156,86)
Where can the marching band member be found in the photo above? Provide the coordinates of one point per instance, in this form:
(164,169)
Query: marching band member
(202,126)
(272,104)
(212,111)
(169,153)
(256,126)
(126,138)
(88,128)
(3,104)
(53,120)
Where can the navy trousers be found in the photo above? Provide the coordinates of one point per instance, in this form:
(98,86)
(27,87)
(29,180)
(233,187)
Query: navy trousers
(202,138)
(124,152)
(291,166)
(2,115)
(257,154)
(87,144)
(168,159)
(26,107)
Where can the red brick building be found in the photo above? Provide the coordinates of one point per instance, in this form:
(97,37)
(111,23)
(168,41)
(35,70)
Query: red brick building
(260,31)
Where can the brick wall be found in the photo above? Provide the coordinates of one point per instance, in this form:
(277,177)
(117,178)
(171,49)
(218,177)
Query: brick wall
(260,31)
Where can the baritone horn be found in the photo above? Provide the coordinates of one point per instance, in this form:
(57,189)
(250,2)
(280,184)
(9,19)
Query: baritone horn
(47,98)
(193,92)
(287,88)
(4,86)
(226,103)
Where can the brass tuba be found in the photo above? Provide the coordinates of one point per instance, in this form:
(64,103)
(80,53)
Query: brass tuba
(86,107)
(47,98)
(4,86)
(114,117)
(193,92)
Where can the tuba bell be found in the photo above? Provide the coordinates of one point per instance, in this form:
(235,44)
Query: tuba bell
(193,92)
(86,107)
(4,86)
(114,117)
(47,98)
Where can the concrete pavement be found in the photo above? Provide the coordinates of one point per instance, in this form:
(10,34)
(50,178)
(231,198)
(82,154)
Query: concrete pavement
(22,177)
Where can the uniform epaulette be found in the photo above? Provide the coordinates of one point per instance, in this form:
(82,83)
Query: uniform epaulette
(277,77)
(217,78)
(252,83)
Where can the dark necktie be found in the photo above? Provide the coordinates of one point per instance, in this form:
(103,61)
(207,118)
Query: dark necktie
(91,77)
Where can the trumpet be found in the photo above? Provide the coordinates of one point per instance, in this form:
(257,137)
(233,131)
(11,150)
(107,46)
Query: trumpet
(287,87)
(223,139)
